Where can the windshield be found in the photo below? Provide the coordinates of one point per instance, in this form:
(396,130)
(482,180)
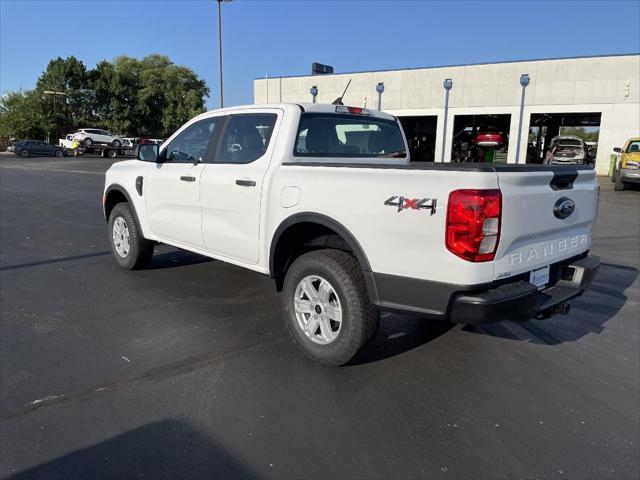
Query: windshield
(634,147)
(334,135)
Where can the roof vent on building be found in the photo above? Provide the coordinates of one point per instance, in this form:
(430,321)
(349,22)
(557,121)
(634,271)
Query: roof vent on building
(320,69)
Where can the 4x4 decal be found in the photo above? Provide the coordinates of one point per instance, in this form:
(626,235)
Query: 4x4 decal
(404,203)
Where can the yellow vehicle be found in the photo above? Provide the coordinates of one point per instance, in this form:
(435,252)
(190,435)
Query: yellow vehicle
(628,165)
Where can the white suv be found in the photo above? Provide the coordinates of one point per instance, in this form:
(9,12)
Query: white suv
(89,136)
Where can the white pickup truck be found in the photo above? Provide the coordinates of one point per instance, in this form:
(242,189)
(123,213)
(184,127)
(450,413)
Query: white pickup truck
(323,199)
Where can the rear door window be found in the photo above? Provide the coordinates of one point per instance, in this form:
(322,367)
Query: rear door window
(358,136)
(246,137)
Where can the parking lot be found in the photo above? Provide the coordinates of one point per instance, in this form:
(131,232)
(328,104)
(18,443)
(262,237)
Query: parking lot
(185,370)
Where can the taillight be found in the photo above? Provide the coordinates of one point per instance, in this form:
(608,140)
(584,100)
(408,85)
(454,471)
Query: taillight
(352,110)
(473,224)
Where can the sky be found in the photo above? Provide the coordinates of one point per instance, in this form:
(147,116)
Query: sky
(275,38)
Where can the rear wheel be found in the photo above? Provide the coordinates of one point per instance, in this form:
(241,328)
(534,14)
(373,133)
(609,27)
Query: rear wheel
(326,307)
(116,143)
(58,153)
(130,249)
(111,153)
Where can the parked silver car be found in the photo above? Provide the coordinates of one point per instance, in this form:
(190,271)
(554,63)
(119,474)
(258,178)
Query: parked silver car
(567,150)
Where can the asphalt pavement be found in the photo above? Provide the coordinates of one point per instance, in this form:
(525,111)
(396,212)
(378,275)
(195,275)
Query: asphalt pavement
(185,370)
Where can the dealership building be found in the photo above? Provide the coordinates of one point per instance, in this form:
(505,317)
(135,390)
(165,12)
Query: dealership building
(444,110)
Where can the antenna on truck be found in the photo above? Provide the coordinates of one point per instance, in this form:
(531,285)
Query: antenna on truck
(338,101)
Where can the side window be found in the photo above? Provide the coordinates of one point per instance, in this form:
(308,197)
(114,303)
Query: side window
(246,137)
(192,143)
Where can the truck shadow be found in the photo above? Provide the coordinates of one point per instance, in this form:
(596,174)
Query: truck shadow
(168,449)
(589,313)
(175,258)
(399,334)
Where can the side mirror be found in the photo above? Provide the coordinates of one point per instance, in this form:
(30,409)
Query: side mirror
(617,149)
(147,152)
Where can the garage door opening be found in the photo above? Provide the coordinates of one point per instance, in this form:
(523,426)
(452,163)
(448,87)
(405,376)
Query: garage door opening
(563,137)
(421,136)
(480,138)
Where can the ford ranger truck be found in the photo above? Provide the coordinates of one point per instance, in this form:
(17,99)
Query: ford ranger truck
(323,199)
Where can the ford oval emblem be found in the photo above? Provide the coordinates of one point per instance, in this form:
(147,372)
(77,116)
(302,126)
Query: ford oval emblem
(564,207)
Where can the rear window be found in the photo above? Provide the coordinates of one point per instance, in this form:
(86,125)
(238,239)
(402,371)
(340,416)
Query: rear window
(334,135)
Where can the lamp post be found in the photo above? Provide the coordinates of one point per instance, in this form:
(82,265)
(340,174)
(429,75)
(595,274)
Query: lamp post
(220,49)
(447,84)
(55,113)
(380,89)
(314,92)
(524,81)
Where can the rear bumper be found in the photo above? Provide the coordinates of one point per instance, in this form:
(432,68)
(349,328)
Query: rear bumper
(517,300)
(521,300)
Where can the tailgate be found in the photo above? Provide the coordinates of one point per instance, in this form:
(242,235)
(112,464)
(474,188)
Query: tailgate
(538,226)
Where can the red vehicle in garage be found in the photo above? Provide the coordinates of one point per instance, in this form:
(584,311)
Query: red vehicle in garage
(489,139)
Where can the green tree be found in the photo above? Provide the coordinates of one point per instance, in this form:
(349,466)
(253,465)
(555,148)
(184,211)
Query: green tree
(127,96)
(22,115)
(590,135)
(74,108)
(152,95)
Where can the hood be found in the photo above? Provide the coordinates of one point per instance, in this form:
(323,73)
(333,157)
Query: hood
(630,157)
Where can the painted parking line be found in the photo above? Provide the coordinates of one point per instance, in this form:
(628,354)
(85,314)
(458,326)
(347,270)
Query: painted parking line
(39,169)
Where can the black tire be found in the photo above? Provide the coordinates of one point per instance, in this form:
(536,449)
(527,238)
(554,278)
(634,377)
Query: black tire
(359,318)
(618,184)
(111,153)
(116,143)
(88,142)
(58,153)
(24,152)
(140,249)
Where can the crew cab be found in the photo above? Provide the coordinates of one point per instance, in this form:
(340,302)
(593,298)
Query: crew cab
(323,199)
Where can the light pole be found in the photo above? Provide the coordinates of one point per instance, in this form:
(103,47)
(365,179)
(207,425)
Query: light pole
(524,81)
(314,92)
(220,49)
(55,113)
(447,84)
(380,89)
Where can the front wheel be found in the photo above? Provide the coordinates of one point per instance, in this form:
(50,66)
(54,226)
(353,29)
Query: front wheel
(58,153)
(618,184)
(87,142)
(326,307)
(24,152)
(130,249)
(116,143)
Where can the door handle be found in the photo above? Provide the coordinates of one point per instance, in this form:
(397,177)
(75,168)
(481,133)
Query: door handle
(246,183)
(187,178)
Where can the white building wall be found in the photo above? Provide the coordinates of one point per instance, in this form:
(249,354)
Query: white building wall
(610,85)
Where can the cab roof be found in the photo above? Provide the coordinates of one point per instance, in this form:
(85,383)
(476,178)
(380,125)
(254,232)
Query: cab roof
(305,107)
